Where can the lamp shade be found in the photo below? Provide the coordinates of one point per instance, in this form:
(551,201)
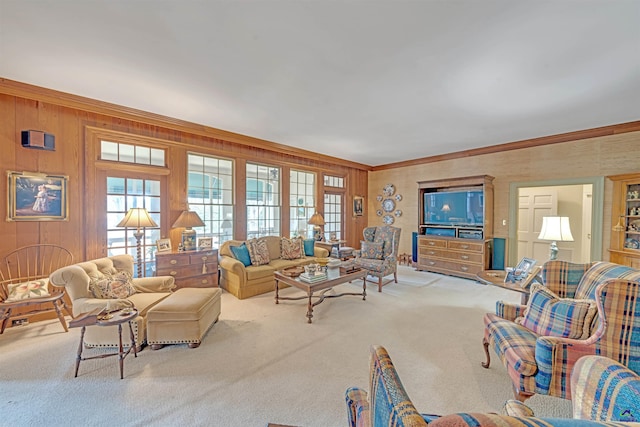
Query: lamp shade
(556,228)
(316,219)
(137,218)
(188,219)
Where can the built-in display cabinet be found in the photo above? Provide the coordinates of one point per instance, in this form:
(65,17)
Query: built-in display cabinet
(455,225)
(625,218)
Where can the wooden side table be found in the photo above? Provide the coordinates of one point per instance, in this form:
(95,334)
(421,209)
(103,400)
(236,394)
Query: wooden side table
(106,319)
(330,244)
(496,278)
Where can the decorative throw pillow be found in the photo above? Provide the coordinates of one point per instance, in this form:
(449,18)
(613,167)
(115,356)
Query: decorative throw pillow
(371,250)
(548,314)
(291,248)
(116,286)
(309,245)
(26,290)
(258,251)
(242,254)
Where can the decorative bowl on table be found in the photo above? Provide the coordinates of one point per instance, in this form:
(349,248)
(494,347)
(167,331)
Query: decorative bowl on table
(293,271)
(323,261)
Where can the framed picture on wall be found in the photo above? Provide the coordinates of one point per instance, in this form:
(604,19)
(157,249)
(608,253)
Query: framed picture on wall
(33,196)
(358,205)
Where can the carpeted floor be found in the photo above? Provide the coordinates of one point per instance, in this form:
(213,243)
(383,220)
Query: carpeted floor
(263,363)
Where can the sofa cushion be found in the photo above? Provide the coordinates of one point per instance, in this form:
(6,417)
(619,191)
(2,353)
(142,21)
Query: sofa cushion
(371,250)
(26,290)
(241,253)
(113,286)
(549,315)
(309,245)
(291,248)
(258,251)
(259,271)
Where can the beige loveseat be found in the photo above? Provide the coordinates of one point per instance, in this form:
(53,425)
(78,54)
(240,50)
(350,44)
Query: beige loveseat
(149,291)
(245,282)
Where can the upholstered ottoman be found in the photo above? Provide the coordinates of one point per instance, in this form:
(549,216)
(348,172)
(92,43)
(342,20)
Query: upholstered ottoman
(183,317)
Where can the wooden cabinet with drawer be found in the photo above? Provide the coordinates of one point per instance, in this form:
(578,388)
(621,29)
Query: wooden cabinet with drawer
(457,257)
(191,269)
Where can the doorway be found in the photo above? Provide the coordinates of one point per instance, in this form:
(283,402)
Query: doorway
(581,199)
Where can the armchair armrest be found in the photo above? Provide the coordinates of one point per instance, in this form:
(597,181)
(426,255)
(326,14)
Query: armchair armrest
(509,311)
(154,284)
(605,390)
(357,407)
(515,408)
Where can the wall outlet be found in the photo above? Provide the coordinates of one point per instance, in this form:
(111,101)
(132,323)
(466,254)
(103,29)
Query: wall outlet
(19,322)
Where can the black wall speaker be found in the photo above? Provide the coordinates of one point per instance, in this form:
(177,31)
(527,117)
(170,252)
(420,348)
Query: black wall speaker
(38,139)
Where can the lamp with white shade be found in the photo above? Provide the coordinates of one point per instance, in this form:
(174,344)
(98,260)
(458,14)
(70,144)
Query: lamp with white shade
(138,218)
(555,229)
(317,221)
(187,220)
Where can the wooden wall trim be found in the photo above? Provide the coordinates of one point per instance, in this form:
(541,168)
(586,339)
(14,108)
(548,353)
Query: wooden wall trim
(526,143)
(23,90)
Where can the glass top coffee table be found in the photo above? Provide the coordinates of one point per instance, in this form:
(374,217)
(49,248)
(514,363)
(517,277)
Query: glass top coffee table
(334,278)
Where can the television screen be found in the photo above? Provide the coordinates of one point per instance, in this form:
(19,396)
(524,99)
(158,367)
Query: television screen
(454,208)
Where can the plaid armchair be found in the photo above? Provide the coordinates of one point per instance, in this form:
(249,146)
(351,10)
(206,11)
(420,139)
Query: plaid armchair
(378,253)
(609,396)
(540,345)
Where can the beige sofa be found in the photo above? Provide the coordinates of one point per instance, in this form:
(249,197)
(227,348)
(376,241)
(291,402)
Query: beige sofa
(149,292)
(245,282)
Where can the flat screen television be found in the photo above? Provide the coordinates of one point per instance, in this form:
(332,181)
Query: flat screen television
(459,208)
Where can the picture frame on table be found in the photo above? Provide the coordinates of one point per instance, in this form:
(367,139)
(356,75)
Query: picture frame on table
(33,196)
(205,243)
(163,245)
(358,205)
(520,271)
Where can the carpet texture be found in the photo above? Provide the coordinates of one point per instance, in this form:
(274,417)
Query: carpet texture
(263,363)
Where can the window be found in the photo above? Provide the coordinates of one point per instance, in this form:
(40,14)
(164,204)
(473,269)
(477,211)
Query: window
(333,181)
(263,200)
(210,194)
(333,209)
(119,152)
(302,186)
(123,194)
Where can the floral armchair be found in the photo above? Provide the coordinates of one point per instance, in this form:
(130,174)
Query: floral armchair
(609,396)
(378,252)
(582,309)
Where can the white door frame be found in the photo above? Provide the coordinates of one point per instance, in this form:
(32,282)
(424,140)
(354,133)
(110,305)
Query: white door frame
(596,220)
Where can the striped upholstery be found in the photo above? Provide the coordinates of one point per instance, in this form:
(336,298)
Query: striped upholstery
(607,391)
(388,404)
(543,364)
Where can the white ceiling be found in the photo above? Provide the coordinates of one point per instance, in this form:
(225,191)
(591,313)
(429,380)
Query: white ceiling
(375,81)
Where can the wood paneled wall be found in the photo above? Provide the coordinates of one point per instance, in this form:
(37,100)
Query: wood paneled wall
(73,120)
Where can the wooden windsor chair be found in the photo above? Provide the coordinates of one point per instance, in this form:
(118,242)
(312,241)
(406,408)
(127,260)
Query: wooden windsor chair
(24,282)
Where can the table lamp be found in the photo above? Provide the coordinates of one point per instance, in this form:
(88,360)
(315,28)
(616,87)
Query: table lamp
(317,221)
(138,218)
(555,229)
(188,219)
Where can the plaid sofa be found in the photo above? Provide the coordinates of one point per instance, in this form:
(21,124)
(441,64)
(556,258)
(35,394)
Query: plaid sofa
(542,362)
(610,396)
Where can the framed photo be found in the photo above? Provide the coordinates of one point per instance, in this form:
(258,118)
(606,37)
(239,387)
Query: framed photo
(205,242)
(521,271)
(164,245)
(358,205)
(36,197)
